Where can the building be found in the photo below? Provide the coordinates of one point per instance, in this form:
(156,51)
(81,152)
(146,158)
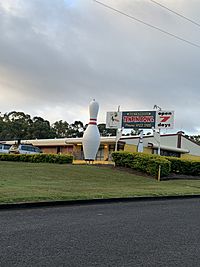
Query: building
(74,146)
(177,145)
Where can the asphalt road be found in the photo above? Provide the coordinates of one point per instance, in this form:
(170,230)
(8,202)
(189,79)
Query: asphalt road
(154,233)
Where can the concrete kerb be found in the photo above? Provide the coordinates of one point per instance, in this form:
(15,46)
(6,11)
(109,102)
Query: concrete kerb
(43,204)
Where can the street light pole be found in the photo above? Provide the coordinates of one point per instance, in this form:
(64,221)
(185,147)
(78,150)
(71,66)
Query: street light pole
(159,143)
(118,133)
(157,134)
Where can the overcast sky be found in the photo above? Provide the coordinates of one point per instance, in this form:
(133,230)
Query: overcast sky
(57,55)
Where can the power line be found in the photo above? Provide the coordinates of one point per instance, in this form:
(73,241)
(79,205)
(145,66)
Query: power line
(148,24)
(178,14)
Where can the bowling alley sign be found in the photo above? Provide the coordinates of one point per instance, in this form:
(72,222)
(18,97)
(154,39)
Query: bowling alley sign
(140,119)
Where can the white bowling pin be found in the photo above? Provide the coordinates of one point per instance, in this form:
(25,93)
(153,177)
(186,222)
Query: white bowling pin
(91,136)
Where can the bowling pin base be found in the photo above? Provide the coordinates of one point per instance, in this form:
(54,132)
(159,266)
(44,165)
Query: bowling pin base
(89,161)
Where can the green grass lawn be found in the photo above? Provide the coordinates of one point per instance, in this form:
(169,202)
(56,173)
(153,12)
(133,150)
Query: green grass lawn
(26,182)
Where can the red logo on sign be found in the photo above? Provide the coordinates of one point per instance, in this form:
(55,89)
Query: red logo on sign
(165,118)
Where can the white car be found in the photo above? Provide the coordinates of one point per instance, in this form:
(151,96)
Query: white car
(4,148)
(24,149)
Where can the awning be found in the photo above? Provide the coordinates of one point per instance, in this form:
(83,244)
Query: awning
(169,148)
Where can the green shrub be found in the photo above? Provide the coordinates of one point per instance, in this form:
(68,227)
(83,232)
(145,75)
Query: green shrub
(143,162)
(36,158)
(123,158)
(153,167)
(183,166)
(150,164)
(175,164)
(195,167)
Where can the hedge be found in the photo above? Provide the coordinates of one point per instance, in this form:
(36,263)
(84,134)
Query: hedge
(183,166)
(123,158)
(36,158)
(143,162)
(150,164)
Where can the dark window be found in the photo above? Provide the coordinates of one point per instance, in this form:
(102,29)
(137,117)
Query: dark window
(36,149)
(27,148)
(7,146)
(169,153)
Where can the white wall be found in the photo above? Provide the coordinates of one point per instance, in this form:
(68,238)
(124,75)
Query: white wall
(167,140)
(191,146)
(164,140)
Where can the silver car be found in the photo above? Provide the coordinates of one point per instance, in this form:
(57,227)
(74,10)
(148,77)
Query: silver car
(24,149)
(4,148)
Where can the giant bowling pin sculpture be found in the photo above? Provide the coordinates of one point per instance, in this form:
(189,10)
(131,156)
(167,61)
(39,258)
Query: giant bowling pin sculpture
(91,136)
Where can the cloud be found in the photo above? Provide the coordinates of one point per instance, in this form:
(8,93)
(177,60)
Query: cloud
(56,56)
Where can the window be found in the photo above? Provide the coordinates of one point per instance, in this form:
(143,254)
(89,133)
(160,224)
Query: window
(7,146)
(37,150)
(169,153)
(23,148)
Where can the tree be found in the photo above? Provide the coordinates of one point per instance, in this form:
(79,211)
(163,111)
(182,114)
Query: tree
(195,138)
(106,132)
(15,125)
(41,129)
(76,129)
(60,128)
(135,131)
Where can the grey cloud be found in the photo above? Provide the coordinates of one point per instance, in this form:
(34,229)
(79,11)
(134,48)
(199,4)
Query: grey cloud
(62,54)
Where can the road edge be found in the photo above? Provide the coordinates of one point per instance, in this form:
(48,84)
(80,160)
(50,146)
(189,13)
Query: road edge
(42,204)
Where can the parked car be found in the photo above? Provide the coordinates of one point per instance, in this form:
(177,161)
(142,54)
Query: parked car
(4,148)
(24,149)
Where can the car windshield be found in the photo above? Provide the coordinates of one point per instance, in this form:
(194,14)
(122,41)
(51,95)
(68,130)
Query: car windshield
(6,146)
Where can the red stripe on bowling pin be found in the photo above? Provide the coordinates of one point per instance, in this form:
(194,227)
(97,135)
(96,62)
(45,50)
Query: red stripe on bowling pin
(93,121)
